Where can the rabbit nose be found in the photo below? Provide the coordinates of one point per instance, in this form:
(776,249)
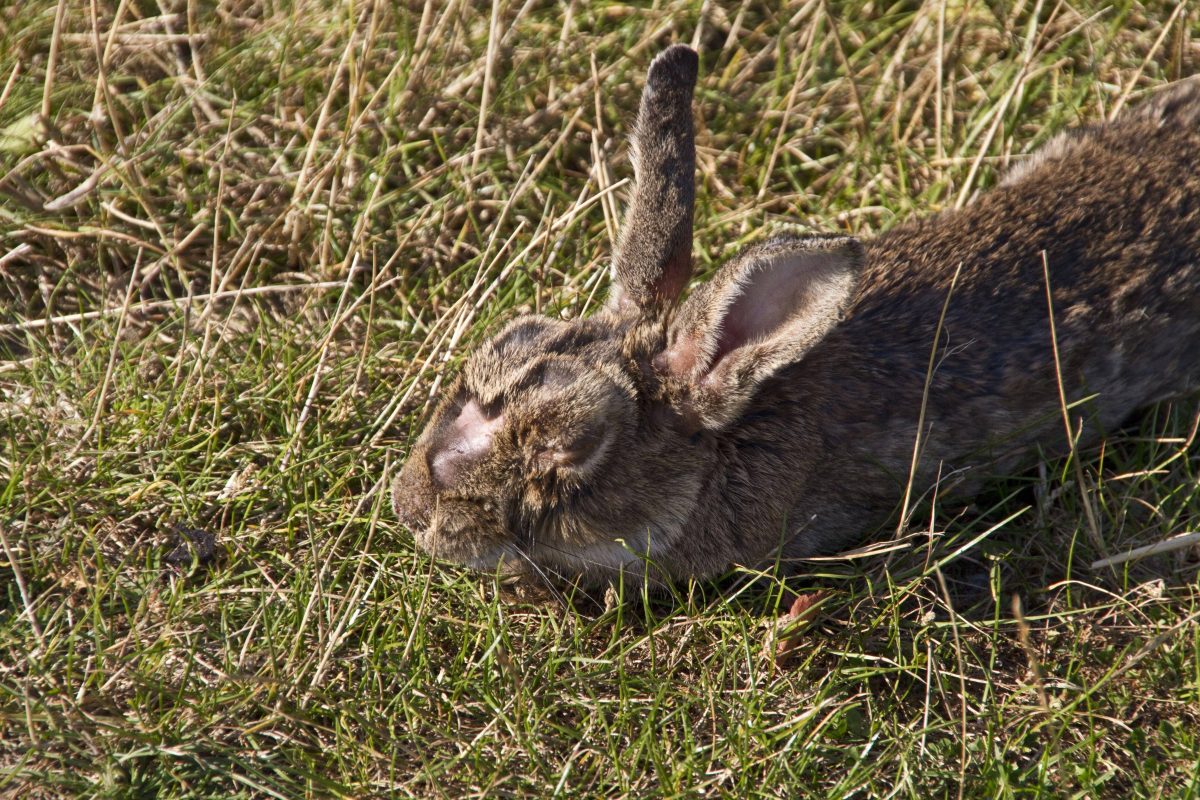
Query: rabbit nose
(465,443)
(412,495)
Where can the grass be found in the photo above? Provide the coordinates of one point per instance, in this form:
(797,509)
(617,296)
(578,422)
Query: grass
(233,273)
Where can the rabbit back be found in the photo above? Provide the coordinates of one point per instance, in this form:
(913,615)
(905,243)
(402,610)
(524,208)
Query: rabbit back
(1109,217)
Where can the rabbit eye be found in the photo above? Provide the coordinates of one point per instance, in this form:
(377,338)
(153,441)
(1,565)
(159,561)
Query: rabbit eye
(487,405)
(491,409)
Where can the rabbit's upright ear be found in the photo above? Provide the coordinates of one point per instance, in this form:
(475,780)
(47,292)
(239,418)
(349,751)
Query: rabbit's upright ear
(653,257)
(762,311)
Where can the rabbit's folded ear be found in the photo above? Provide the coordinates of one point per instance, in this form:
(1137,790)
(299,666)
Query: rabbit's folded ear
(653,258)
(762,311)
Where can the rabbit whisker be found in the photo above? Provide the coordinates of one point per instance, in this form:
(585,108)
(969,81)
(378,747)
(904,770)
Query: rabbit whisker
(541,573)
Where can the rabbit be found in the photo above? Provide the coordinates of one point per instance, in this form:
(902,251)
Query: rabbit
(773,414)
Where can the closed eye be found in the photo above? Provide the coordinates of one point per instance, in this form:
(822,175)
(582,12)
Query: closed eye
(492,409)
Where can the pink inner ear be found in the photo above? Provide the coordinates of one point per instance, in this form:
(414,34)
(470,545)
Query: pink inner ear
(680,359)
(466,442)
(775,292)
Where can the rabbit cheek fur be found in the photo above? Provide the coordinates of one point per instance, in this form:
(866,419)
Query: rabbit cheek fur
(776,409)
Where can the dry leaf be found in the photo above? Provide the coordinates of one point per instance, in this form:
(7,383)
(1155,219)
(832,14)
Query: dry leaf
(791,625)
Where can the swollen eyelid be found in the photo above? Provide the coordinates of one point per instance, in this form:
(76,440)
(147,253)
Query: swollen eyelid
(491,409)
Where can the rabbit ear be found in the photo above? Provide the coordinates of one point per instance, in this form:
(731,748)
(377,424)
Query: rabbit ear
(762,311)
(653,257)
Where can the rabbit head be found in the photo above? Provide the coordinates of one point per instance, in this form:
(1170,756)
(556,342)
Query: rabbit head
(583,447)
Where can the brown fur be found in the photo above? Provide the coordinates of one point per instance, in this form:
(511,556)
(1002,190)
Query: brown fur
(673,444)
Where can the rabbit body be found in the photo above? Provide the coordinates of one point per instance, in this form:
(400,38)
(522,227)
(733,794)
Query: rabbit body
(776,411)
(1112,215)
